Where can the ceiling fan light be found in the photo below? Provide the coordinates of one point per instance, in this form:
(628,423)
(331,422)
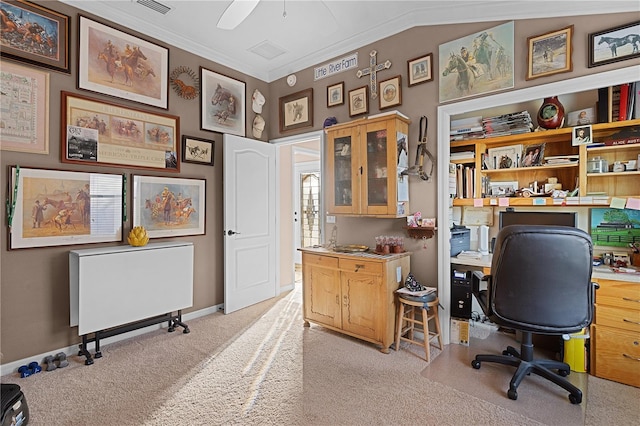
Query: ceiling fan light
(237,12)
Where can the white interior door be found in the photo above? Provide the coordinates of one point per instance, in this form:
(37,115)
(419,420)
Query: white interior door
(250,240)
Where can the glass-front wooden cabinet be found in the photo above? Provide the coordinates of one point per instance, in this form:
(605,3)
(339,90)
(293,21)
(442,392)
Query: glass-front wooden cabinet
(365,158)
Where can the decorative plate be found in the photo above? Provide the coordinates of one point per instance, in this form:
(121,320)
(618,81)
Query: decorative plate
(185,82)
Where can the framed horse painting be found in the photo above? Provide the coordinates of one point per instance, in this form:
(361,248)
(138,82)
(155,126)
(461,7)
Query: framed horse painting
(169,207)
(222,107)
(476,64)
(118,64)
(35,35)
(615,44)
(55,207)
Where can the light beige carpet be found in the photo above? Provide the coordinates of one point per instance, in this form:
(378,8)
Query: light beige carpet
(260,366)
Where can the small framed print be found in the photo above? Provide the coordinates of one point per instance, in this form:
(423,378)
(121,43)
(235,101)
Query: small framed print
(420,70)
(358,101)
(390,92)
(614,44)
(222,103)
(335,94)
(296,110)
(532,155)
(550,53)
(197,150)
(581,117)
(581,135)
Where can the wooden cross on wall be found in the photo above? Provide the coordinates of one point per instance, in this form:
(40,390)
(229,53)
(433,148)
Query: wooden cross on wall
(372,71)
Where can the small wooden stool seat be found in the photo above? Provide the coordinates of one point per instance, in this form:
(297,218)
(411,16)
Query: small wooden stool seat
(407,323)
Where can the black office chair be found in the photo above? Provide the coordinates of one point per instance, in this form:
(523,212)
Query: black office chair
(540,283)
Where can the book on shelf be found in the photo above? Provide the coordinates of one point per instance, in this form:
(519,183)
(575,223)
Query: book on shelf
(463,155)
(624,101)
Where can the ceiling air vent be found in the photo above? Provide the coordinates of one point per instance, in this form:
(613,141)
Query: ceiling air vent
(267,50)
(154,5)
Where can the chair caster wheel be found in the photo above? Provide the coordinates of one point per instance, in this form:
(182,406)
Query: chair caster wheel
(575,399)
(512,394)
(475,364)
(563,373)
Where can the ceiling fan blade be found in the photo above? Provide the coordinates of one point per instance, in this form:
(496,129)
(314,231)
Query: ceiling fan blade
(235,13)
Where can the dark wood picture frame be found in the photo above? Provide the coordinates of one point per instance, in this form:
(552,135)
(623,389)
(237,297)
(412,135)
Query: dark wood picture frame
(613,43)
(296,110)
(119,64)
(420,69)
(56,27)
(546,49)
(335,94)
(197,150)
(359,101)
(390,93)
(103,133)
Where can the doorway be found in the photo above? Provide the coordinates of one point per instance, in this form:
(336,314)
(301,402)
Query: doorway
(306,205)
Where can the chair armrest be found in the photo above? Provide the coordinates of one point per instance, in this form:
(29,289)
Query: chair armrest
(482,296)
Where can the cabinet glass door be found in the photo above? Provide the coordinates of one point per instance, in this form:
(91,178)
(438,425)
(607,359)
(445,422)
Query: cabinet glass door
(377,171)
(343,186)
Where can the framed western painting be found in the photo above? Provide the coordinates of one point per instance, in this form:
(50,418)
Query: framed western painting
(550,53)
(115,63)
(222,103)
(359,101)
(296,110)
(614,44)
(390,93)
(476,64)
(169,207)
(197,150)
(420,69)
(25,117)
(103,133)
(335,94)
(54,207)
(35,35)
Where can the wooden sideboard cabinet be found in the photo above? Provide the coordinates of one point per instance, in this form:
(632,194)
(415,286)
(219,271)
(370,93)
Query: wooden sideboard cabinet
(363,159)
(615,332)
(353,293)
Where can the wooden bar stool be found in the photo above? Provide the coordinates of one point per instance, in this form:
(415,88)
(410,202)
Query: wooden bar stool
(407,323)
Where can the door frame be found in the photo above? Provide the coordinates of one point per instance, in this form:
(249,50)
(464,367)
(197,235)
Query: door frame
(292,140)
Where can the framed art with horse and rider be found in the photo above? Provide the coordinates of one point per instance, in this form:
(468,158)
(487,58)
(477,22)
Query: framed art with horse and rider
(118,64)
(614,44)
(478,63)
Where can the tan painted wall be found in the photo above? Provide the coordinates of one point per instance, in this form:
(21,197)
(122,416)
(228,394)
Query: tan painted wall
(34,291)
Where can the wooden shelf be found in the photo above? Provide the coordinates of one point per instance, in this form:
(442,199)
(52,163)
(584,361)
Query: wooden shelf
(419,232)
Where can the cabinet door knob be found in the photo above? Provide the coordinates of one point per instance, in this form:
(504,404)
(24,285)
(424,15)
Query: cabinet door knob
(346,301)
(358,267)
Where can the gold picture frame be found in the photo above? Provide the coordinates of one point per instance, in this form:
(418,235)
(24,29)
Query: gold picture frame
(420,69)
(335,94)
(390,91)
(359,101)
(550,53)
(296,110)
(33,105)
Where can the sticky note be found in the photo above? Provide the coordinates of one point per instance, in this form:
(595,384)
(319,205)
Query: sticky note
(617,203)
(539,202)
(633,203)
(477,202)
(503,201)
(493,202)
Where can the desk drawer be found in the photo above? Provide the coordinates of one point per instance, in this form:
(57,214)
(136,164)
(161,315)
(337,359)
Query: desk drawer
(617,355)
(618,293)
(626,319)
(319,260)
(361,266)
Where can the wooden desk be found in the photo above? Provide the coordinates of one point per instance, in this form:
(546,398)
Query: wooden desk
(483,263)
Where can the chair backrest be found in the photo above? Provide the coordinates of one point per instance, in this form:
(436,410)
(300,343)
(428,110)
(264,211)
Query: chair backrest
(541,279)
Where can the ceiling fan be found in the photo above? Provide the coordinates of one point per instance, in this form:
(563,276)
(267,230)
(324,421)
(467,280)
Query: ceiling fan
(235,13)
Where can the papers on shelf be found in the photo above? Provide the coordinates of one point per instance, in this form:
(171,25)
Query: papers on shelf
(469,254)
(404,290)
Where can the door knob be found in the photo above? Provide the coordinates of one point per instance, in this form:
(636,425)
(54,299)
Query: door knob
(230,232)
